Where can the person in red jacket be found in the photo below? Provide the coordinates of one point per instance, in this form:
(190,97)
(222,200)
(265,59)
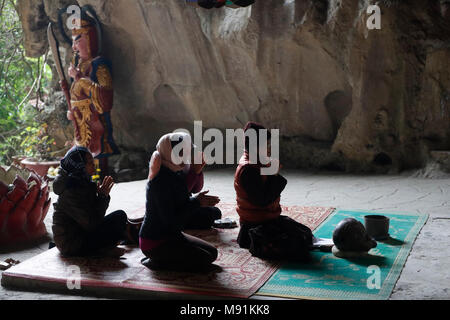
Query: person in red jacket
(258,205)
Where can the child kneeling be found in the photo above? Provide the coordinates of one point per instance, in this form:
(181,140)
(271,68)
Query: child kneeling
(80,227)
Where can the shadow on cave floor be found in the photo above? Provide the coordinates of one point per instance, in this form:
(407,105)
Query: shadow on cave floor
(401,193)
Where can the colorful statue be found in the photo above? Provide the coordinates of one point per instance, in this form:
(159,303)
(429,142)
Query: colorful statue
(91,92)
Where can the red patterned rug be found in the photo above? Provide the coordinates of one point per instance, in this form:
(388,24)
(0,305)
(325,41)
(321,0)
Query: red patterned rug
(241,277)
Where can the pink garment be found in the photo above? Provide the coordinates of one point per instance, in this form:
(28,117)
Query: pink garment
(147,245)
(194,181)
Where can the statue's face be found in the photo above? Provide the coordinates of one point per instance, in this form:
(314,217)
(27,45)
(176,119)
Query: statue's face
(81,45)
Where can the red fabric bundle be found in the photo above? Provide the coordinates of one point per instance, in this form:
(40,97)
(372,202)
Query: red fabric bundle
(23,209)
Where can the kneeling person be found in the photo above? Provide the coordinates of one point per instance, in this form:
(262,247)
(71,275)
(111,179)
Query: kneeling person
(80,227)
(204,217)
(169,206)
(264,231)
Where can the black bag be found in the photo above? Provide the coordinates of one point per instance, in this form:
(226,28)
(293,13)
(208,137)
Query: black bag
(209,4)
(243,3)
(282,239)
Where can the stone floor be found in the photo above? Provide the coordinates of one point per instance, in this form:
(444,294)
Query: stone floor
(426,274)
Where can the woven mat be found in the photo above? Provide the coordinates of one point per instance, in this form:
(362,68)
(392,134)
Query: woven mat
(241,276)
(369,278)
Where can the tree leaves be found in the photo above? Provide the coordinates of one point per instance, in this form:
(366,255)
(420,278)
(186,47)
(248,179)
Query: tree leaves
(17,76)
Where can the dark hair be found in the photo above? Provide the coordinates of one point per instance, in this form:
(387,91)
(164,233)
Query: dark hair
(255,126)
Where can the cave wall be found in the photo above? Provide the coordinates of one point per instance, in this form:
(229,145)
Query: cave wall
(343,97)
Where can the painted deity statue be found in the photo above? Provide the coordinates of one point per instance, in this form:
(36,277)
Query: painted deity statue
(91,92)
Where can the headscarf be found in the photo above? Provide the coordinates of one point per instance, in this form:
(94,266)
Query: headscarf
(257,127)
(165,148)
(74,163)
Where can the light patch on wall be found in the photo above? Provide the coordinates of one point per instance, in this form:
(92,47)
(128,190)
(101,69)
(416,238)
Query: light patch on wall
(362,6)
(333,9)
(224,23)
(235,20)
(290,3)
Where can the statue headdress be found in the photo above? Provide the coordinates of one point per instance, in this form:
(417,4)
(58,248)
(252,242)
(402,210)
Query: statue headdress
(89,25)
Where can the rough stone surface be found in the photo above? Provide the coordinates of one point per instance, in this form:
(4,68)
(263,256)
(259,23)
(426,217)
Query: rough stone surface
(34,21)
(356,99)
(425,275)
(54,113)
(442,158)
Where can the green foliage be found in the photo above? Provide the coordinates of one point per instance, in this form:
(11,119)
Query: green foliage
(22,80)
(36,143)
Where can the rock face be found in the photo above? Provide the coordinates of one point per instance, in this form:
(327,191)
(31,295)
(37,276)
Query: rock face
(343,96)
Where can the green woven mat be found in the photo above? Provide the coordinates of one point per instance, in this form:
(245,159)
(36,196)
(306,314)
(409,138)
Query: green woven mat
(368,278)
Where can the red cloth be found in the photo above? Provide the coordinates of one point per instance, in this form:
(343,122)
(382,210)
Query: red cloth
(149,245)
(248,211)
(194,181)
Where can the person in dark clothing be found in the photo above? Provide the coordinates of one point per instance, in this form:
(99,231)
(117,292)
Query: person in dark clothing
(80,227)
(264,231)
(202,218)
(169,206)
